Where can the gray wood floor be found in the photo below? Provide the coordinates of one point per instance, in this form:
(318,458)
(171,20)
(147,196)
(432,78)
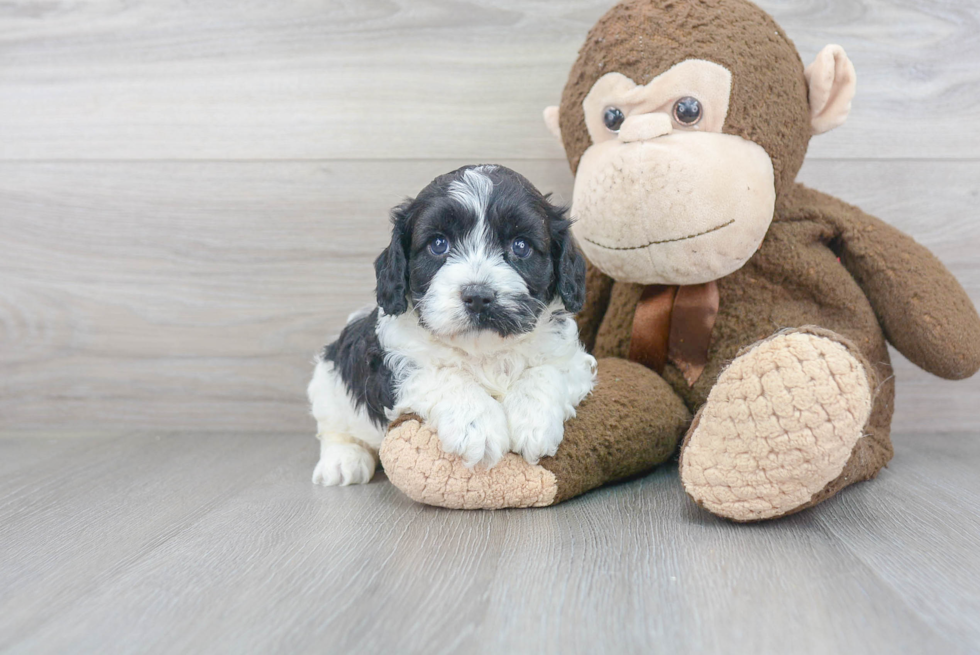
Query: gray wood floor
(219,543)
(191,195)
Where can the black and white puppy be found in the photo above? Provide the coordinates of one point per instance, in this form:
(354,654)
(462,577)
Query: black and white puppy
(473,330)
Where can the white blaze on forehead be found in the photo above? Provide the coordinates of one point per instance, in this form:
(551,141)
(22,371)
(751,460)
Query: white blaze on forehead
(473,191)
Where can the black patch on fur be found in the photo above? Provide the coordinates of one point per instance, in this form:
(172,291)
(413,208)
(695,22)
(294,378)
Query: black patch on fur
(391,266)
(569,266)
(435,214)
(555,267)
(358,357)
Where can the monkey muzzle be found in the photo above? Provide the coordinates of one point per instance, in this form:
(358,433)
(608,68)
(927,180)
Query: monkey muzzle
(680,207)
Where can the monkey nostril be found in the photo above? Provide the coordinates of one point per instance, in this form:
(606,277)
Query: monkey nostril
(477,297)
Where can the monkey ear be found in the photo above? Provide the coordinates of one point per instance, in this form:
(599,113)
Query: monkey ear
(551,121)
(391,266)
(569,264)
(832,83)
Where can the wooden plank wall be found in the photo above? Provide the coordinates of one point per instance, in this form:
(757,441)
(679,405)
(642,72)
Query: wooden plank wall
(191,194)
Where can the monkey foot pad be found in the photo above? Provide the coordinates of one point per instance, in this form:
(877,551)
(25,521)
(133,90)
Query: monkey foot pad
(415,463)
(779,425)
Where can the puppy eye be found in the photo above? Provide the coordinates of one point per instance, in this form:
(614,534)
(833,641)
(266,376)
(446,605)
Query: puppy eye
(521,248)
(687,111)
(613,118)
(439,245)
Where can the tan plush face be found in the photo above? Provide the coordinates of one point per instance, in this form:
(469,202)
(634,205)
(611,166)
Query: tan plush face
(662,196)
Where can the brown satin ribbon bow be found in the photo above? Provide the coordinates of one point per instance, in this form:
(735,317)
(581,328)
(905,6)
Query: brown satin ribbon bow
(674,323)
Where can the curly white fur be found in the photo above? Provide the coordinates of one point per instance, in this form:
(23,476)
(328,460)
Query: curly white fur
(487,395)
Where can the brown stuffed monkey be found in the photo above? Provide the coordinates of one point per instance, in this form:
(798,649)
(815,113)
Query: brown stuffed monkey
(732,310)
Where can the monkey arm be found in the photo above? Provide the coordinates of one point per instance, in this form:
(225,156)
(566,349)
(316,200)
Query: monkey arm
(598,288)
(923,310)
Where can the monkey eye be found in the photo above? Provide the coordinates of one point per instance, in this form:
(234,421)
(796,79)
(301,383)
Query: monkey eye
(687,111)
(521,248)
(438,245)
(613,118)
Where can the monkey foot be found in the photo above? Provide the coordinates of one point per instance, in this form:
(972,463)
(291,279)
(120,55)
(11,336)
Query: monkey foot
(415,463)
(778,426)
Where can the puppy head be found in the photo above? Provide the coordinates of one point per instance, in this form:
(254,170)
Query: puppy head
(479,249)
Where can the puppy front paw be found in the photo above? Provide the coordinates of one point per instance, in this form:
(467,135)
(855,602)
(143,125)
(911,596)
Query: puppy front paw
(342,464)
(535,434)
(476,431)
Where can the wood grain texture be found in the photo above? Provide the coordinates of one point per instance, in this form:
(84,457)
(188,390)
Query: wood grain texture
(117,498)
(233,550)
(375,79)
(193,295)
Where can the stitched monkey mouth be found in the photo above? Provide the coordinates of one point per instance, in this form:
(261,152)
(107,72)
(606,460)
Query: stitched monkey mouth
(653,243)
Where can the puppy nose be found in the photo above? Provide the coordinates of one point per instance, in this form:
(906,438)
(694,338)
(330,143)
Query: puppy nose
(643,127)
(477,297)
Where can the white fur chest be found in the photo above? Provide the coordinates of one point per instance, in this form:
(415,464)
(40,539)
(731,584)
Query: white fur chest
(495,363)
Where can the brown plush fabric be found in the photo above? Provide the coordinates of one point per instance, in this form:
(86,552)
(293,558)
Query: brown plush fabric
(822,263)
(616,327)
(795,279)
(924,311)
(598,288)
(642,39)
(631,422)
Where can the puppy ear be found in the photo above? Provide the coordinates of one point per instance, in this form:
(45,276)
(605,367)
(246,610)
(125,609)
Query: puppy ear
(569,264)
(391,266)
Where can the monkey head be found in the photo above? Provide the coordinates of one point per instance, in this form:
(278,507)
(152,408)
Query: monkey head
(683,122)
